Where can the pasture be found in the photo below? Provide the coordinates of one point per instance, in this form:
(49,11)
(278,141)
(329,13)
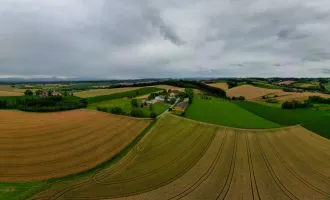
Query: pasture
(321,126)
(184,159)
(125,105)
(131,93)
(37,146)
(225,113)
(280,116)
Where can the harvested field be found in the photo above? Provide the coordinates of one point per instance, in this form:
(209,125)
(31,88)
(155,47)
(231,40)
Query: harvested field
(255,93)
(250,92)
(167,87)
(49,145)
(7,90)
(287,82)
(223,86)
(185,159)
(99,92)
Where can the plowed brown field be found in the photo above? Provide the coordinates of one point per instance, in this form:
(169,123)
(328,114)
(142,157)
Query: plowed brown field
(184,159)
(49,145)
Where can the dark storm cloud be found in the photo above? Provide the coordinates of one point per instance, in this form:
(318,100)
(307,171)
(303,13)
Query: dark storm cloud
(144,38)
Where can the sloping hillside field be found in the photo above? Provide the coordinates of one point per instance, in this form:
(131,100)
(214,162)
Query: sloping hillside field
(42,146)
(185,159)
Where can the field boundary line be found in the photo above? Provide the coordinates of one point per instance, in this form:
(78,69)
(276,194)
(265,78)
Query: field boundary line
(231,171)
(206,174)
(159,169)
(301,161)
(77,154)
(239,129)
(301,179)
(111,161)
(278,182)
(165,151)
(253,180)
(130,155)
(54,144)
(70,167)
(153,187)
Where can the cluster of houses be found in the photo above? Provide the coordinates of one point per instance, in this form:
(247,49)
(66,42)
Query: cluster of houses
(46,93)
(178,106)
(161,98)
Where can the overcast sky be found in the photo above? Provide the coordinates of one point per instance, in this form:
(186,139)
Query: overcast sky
(165,38)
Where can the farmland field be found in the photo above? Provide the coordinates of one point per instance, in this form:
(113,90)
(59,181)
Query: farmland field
(220,85)
(184,159)
(320,126)
(7,90)
(225,113)
(99,92)
(42,146)
(250,92)
(280,116)
(131,93)
(255,93)
(287,82)
(125,105)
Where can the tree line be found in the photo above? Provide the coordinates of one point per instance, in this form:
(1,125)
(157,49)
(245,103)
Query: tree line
(43,104)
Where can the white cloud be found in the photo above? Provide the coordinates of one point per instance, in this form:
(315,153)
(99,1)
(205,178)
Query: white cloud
(108,38)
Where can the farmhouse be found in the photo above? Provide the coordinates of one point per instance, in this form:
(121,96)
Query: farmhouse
(43,94)
(180,106)
(174,92)
(56,94)
(160,98)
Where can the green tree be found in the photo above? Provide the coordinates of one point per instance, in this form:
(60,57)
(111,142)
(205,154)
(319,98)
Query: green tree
(151,107)
(153,115)
(38,92)
(137,112)
(116,110)
(134,102)
(28,93)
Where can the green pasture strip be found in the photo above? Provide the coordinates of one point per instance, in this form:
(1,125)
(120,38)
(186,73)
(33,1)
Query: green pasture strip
(132,93)
(320,126)
(125,105)
(280,116)
(10,191)
(226,113)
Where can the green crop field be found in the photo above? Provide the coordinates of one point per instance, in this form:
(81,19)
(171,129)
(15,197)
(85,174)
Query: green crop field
(132,93)
(280,116)
(125,105)
(319,126)
(327,86)
(9,191)
(226,113)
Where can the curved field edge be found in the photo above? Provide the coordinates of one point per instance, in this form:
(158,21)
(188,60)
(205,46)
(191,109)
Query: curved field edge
(223,173)
(319,126)
(226,113)
(315,121)
(43,185)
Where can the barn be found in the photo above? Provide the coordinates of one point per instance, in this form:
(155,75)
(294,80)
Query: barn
(180,106)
